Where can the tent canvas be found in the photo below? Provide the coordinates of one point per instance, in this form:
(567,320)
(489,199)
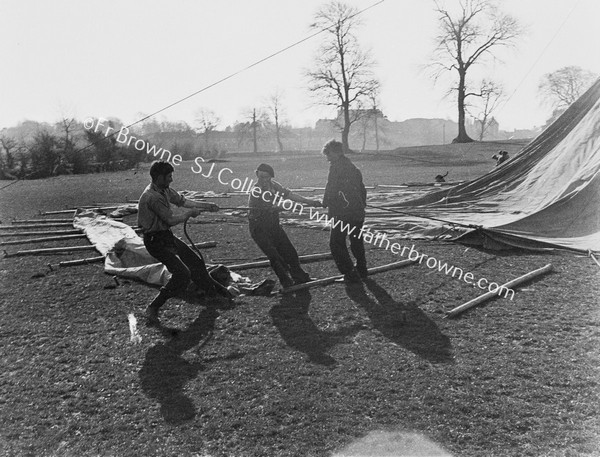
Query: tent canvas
(127,257)
(547,196)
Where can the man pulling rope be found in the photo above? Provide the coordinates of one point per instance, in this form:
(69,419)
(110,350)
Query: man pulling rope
(156,218)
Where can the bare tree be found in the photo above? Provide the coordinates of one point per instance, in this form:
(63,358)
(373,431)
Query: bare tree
(466,38)
(343,75)
(45,155)
(256,127)
(7,163)
(490,96)
(276,113)
(75,159)
(562,87)
(368,123)
(207,122)
(149,127)
(375,114)
(364,123)
(242,132)
(67,124)
(104,149)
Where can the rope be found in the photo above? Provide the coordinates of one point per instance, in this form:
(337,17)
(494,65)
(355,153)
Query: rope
(194,247)
(231,75)
(426,217)
(14,182)
(593,258)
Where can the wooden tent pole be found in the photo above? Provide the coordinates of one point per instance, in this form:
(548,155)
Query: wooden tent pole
(331,279)
(50,250)
(100,208)
(105,204)
(62,211)
(508,285)
(42,240)
(50,232)
(266,263)
(205,245)
(70,263)
(28,226)
(40,221)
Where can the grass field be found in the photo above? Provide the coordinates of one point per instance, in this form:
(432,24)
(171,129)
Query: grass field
(375,370)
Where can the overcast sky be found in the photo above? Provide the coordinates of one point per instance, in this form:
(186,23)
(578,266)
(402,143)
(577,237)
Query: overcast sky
(127,58)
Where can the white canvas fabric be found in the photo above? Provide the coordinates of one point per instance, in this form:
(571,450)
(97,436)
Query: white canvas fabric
(546,196)
(126,255)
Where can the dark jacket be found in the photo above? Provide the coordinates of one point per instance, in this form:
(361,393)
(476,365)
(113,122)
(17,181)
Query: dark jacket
(345,194)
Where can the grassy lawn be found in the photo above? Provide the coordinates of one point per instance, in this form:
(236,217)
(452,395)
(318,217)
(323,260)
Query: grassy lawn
(372,370)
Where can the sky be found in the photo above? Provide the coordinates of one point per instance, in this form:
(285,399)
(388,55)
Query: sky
(130,58)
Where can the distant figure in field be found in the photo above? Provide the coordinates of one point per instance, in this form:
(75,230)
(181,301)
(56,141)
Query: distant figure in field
(440,178)
(263,220)
(346,199)
(501,157)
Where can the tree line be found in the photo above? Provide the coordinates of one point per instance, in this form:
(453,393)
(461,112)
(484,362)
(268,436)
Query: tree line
(342,77)
(32,150)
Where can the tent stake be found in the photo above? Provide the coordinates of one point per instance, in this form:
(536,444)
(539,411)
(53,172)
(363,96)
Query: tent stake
(508,285)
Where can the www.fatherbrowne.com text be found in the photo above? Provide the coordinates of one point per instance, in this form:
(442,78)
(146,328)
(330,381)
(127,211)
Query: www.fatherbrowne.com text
(381,240)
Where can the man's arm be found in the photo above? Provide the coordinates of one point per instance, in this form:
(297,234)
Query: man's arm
(174,220)
(288,194)
(307,201)
(206,206)
(166,215)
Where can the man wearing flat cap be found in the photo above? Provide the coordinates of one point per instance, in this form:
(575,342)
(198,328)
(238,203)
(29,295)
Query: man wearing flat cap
(266,231)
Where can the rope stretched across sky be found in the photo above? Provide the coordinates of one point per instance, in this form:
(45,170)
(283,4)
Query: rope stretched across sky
(258,62)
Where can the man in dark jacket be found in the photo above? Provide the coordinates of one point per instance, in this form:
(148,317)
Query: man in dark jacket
(346,198)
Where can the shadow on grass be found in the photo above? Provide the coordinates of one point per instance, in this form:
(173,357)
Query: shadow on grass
(404,324)
(165,372)
(299,331)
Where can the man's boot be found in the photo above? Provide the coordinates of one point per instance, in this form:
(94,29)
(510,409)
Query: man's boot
(152,309)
